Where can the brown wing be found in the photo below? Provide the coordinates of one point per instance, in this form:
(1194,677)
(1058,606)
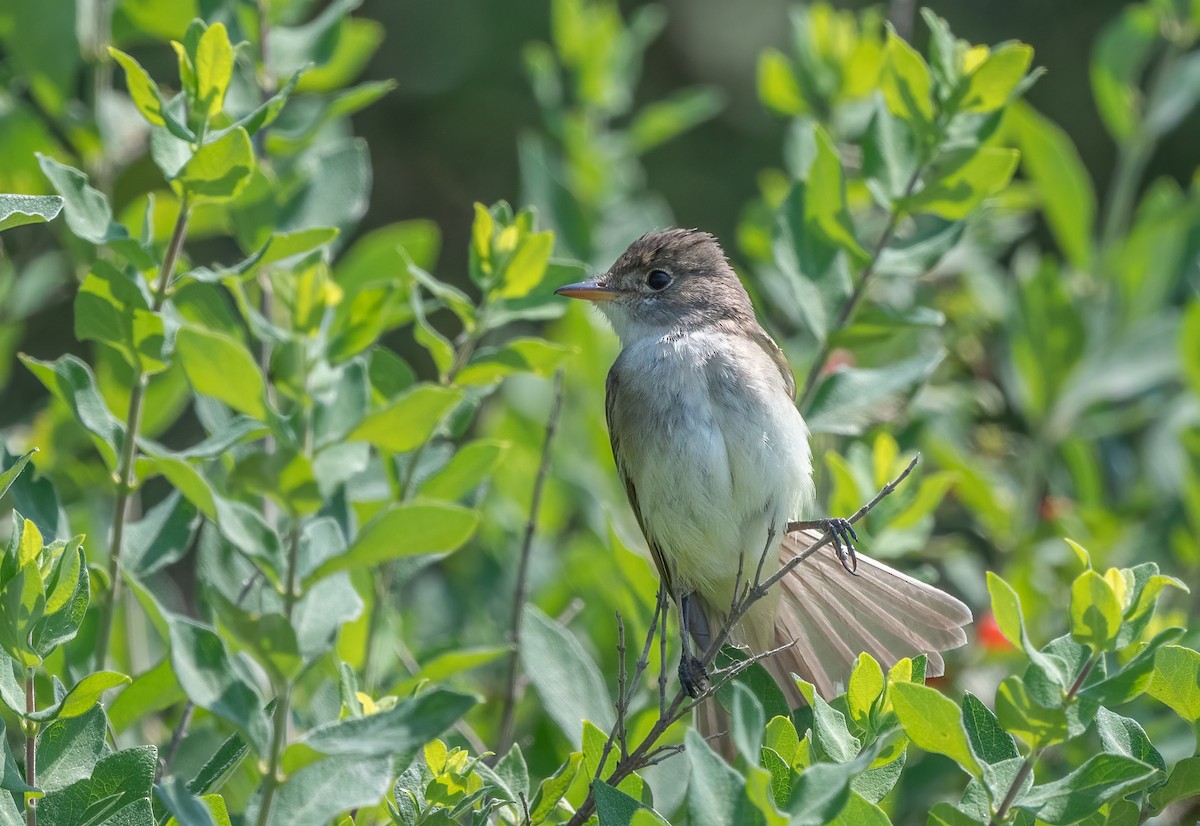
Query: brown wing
(763,340)
(611,393)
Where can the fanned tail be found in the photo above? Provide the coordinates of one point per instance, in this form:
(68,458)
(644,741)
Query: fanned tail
(833,617)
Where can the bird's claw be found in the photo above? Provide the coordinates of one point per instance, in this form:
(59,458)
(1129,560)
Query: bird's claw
(693,676)
(843,538)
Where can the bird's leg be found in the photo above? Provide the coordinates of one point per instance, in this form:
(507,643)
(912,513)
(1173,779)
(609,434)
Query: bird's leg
(692,674)
(841,531)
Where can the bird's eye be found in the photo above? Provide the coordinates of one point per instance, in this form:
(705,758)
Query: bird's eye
(658,280)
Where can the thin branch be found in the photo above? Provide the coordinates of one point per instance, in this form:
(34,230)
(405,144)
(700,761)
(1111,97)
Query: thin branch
(1018,781)
(508,716)
(30,748)
(889,230)
(125,470)
(648,752)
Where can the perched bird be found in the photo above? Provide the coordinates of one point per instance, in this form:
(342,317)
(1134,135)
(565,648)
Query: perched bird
(716,462)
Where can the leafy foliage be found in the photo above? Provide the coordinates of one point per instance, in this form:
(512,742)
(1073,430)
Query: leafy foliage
(295,479)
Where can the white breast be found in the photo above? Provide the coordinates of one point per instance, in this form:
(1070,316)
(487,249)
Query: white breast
(715,449)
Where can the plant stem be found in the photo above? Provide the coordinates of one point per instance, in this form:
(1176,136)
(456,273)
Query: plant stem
(125,470)
(1014,789)
(30,728)
(464,348)
(508,717)
(1133,156)
(291,596)
(860,289)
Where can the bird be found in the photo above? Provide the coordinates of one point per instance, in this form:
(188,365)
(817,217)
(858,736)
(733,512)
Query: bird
(716,462)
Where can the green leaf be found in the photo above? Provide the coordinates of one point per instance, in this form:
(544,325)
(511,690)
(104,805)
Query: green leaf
(219,170)
(143,90)
(850,400)
(615,807)
(747,723)
(522,355)
(992,84)
(1095,611)
(1006,608)
(206,671)
(956,195)
(1102,778)
(778,88)
(754,677)
(781,737)
(1119,56)
(907,85)
(87,211)
(18,210)
(470,467)
(890,156)
(566,678)
(825,202)
(989,742)
(116,794)
(831,738)
(187,809)
(323,790)
(1020,715)
(220,766)
(1135,676)
(214,69)
(866,684)
(1176,681)
(944,814)
(666,119)
(1175,96)
(716,794)
(1184,782)
(285,246)
(10,775)
(220,366)
(86,693)
(10,475)
(1064,185)
(933,722)
(408,421)
(403,530)
(110,308)
(1123,735)
(449,664)
(819,793)
(551,790)
(151,691)
(859,811)
(527,266)
(68,749)
(405,727)
(159,538)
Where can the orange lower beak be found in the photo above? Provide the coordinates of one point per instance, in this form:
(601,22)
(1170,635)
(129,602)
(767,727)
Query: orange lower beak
(591,290)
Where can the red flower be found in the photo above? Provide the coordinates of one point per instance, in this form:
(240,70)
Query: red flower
(989,634)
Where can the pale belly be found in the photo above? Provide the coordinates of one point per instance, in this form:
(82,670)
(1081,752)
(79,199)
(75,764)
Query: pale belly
(718,455)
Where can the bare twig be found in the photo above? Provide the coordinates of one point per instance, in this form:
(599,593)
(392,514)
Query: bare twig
(508,716)
(648,752)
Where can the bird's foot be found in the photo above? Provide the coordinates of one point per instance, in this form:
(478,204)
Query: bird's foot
(693,676)
(843,539)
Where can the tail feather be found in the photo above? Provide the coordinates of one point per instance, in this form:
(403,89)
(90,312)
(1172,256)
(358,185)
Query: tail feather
(882,611)
(831,617)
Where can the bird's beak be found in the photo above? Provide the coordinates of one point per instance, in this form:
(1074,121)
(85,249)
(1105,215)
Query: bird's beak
(594,289)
